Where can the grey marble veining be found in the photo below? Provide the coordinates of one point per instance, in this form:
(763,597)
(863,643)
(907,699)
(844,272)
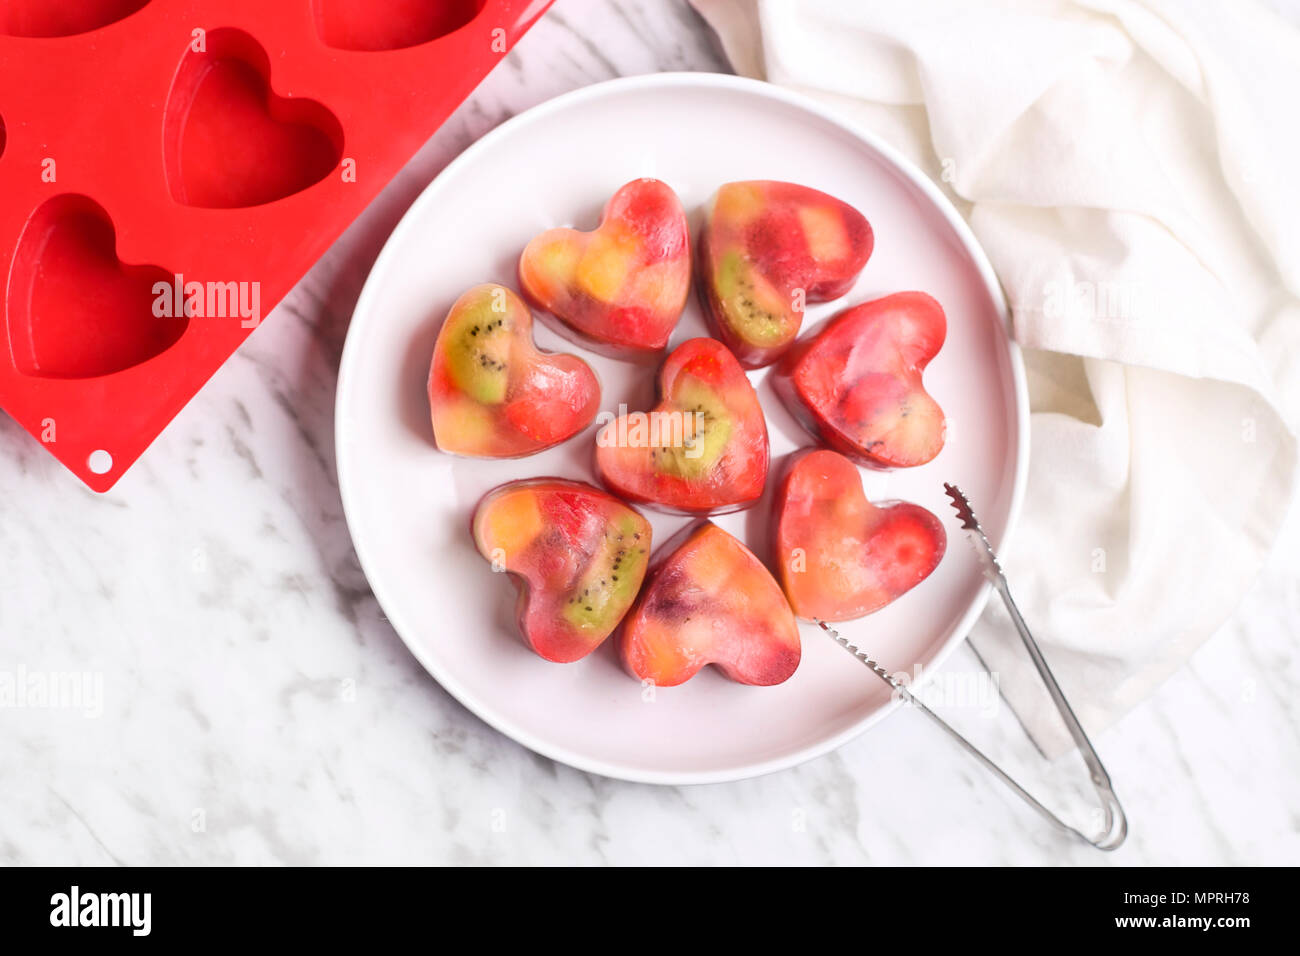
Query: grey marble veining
(255,707)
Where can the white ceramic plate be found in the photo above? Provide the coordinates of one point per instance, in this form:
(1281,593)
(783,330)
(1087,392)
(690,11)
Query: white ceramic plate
(408,505)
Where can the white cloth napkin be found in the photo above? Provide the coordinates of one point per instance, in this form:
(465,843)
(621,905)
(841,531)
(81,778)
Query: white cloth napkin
(1130,168)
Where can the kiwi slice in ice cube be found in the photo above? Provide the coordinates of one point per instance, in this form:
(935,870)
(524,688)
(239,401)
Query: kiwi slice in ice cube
(758,313)
(612,577)
(478,343)
(706,426)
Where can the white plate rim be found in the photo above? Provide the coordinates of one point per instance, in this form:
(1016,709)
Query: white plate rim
(351,349)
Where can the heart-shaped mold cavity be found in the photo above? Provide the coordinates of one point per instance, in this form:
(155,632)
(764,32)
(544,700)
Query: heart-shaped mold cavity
(395,25)
(2,136)
(74,310)
(229,142)
(42,18)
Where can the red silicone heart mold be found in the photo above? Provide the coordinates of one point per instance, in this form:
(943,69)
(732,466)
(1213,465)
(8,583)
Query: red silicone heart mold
(42,18)
(170,168)
(365,25)
(229,141)
(74,310)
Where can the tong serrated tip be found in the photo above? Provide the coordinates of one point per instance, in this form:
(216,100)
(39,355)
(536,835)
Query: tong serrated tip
(966,514)
(862,656)
(962,504)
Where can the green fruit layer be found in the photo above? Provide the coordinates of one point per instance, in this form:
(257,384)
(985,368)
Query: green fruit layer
(612,578)
(477,346)
(751,316)
(705,431)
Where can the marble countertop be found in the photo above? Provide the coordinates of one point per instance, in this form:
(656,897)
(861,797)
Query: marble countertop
(245,701)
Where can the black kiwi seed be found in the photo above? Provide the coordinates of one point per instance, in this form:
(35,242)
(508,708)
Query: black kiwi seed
(747,300)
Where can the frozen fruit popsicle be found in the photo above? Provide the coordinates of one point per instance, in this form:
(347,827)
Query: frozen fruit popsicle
(577,555)
(620,289)
(492,392)
(702,450)
(709,600)
(766,249)
(857,383)
(838,555)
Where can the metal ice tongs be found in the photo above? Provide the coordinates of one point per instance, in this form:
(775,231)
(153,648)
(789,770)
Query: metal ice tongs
(1115,827)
